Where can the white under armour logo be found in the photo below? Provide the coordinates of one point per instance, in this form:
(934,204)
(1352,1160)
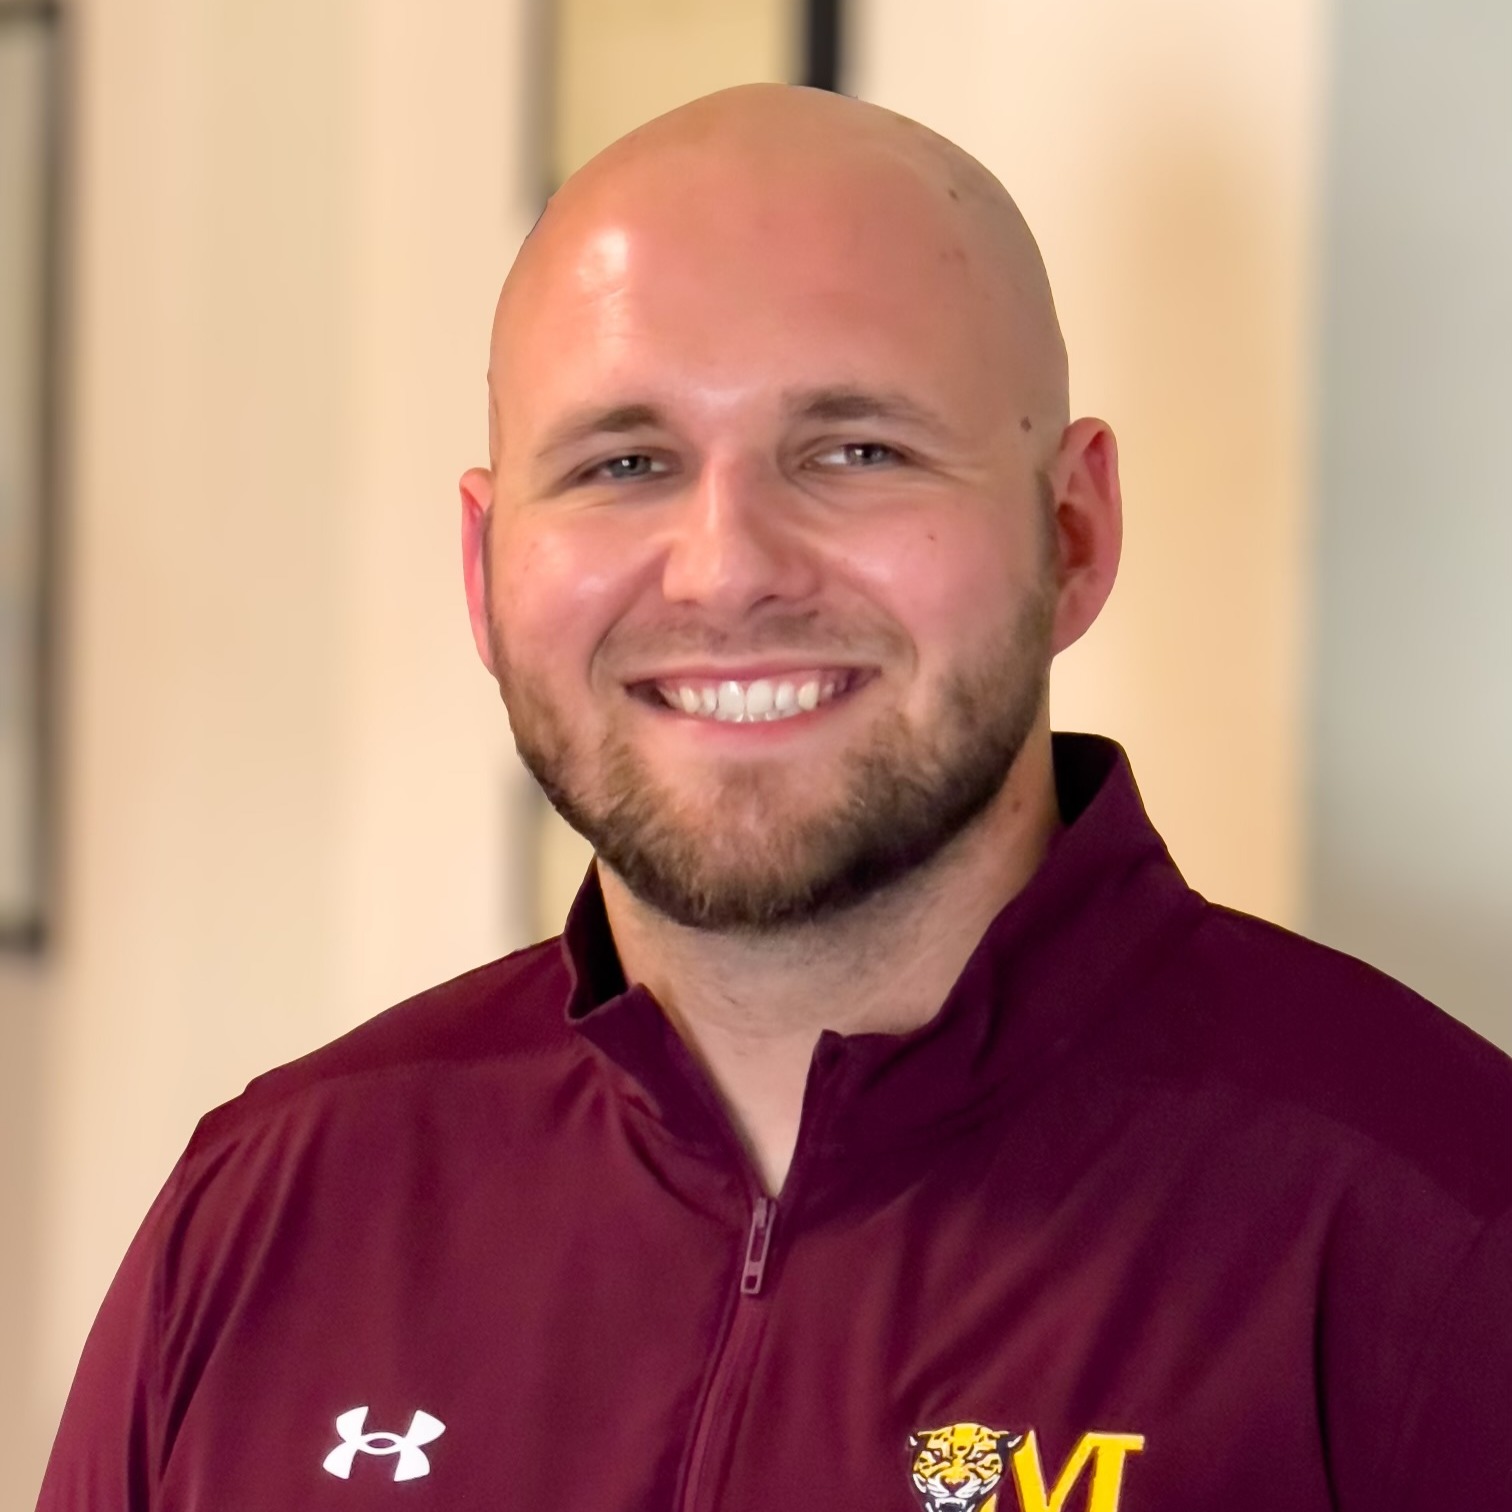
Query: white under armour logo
(412,1464)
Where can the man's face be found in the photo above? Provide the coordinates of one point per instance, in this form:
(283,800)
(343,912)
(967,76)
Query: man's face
(770,570)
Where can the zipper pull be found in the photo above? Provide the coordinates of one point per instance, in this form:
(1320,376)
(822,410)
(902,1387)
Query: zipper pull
(758,1244)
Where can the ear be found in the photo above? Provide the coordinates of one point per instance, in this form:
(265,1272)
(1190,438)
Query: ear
(1008,1442)
(1088,526)
(477,501)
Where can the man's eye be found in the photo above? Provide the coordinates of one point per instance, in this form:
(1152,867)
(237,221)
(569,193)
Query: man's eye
(627,468)
(857,454)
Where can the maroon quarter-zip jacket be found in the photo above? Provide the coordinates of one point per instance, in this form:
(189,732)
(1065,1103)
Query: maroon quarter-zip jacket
(1166,1211)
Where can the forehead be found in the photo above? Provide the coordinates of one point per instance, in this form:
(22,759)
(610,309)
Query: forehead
(727,276)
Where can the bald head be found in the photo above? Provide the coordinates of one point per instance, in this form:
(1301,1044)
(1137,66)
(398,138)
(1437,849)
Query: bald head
(769,169)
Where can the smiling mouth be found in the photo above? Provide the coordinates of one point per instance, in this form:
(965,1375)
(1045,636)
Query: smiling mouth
(760,700)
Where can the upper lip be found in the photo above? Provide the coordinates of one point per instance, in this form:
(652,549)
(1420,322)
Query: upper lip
(753,672)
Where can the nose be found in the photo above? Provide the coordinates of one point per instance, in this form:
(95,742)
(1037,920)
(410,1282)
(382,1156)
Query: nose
(736,541)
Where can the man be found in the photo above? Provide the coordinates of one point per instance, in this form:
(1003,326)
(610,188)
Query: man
(892,1128)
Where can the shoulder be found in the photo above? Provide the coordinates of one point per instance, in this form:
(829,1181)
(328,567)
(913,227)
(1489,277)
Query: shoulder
(1400,1117)
(1308,1030)
(491,1021)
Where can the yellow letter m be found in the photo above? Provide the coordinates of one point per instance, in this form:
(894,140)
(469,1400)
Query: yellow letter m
(1105,1452)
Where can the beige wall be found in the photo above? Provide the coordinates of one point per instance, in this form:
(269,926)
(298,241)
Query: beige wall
(621,62)
(1410,818)
(286,777)
(28,1411)
(1166,155)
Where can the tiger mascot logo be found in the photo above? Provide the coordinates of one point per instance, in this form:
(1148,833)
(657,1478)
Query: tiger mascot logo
(959,1468)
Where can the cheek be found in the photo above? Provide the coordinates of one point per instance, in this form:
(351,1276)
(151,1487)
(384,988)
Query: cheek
(948,582)
(555,592)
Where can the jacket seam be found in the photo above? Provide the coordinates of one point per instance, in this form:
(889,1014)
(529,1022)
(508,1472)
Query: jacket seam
(157,1382)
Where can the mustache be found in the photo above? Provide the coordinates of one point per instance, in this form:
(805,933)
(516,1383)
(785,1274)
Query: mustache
(805,636)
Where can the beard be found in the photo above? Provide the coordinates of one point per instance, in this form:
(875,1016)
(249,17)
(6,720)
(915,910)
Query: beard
(745,857)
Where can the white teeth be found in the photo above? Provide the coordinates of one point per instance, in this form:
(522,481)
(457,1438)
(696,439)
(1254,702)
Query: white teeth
(732,702)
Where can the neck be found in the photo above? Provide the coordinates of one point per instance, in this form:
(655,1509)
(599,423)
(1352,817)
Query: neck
(752,1006)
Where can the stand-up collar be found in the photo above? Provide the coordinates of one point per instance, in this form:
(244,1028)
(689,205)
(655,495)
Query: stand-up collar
(1104,903)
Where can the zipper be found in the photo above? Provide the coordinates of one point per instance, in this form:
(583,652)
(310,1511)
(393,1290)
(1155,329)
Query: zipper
(723,1399)
(736,1352)
(758,1242)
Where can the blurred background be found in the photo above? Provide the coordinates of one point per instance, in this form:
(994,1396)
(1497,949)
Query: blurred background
(254,785)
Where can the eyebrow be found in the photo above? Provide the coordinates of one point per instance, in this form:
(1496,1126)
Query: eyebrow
(617,420)
(828,405)
(840,404)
